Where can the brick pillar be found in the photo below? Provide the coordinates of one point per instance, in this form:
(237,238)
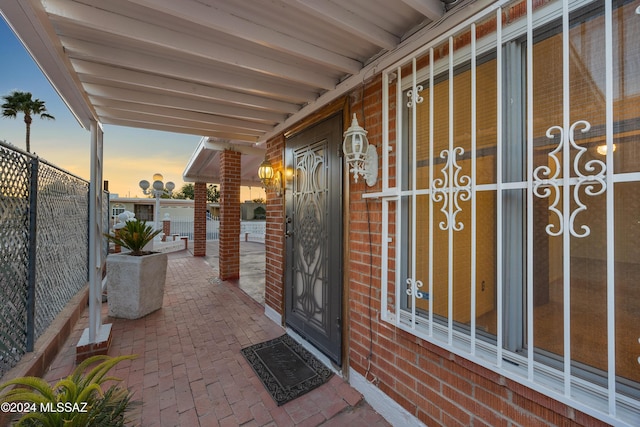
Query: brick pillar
(274,239)
(229,262)
(200,219)
(166,228)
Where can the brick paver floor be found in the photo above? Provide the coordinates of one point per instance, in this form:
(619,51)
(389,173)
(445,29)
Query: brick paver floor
(189,370)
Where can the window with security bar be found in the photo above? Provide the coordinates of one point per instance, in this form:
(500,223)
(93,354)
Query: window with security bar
(514,220)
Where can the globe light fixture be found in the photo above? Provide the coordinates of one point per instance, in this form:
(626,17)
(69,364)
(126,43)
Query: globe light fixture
(158,189)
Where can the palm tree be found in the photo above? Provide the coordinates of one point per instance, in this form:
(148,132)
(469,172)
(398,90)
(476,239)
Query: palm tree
(21,102)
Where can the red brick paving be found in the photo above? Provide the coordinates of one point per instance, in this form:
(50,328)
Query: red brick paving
(190,371)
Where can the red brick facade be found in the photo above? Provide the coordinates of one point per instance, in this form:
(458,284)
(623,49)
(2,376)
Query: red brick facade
(274,239)
(434,385)
(166,230)
(200,219)
(229,215)
(437,387)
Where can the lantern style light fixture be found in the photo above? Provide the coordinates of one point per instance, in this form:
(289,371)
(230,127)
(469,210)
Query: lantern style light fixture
(602,149)
(270,178)
(158,189)
(361,157)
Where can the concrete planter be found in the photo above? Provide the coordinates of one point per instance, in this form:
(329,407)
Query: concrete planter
(135,284)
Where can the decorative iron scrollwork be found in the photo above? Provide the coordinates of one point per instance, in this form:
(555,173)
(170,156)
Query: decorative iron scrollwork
(451,193)
(414,288)
(547,182)
(414,96)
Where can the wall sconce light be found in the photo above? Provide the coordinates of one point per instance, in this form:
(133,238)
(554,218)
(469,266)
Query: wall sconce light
(602,149)
(270,178)
(360,155)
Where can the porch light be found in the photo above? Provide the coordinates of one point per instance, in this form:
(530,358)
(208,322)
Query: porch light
(270,178)
(359,154)
(602,149)
(159,189)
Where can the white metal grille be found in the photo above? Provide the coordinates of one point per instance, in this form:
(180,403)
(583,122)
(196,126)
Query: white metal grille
(510,201)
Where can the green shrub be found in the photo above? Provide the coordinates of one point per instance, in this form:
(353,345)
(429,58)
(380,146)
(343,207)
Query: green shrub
(75,401)
(134,236)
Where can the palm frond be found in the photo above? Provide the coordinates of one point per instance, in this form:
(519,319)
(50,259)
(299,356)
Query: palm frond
(135,235)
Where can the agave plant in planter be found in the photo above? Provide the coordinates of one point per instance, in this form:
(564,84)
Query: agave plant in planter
(78,400)
(135,279)
(135,235)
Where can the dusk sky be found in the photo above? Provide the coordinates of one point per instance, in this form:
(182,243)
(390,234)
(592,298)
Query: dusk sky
(130,154)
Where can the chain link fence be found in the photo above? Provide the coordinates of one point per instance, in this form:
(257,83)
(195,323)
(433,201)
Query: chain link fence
(44,246)
(15,178)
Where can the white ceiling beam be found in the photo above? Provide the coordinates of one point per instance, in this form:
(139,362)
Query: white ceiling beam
(242,149)
(212,119)
(348,21)
(207,176)
(179,129)
(139,32)
(432,9)
(198,161)
(180,103)
(174,120)
(204,162)
(407,47)
(186,71)
(110,113)
(89,72)
(216,19)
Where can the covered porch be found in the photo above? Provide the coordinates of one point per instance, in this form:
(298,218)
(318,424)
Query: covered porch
(189,369)
(435,318)
(238,74)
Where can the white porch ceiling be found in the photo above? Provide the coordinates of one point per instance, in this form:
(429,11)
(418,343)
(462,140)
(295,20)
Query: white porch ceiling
(204,165)
(230,70)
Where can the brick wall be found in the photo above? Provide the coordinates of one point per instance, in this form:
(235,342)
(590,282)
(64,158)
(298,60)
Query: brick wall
(200,219)
(229,215)
(436,386)
(274,239)
(166,230)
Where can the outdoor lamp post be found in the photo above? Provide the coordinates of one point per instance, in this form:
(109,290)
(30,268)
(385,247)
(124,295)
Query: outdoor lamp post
(159,189)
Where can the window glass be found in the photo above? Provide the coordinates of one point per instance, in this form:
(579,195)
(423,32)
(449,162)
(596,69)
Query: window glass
(588,250)
(434,254)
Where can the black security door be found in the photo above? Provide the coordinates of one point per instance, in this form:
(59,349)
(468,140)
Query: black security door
(314,235)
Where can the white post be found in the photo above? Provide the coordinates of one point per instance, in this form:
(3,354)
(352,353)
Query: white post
(156,213)
(95,233)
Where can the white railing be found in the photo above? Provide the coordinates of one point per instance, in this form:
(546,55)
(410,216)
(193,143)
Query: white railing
(249,230)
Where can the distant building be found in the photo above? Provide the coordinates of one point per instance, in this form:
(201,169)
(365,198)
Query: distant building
(176,208)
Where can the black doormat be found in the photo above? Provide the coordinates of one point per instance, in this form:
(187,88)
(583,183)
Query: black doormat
(286,369)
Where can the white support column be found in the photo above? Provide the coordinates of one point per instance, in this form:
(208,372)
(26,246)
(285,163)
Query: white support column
(95,233)
(97,337)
